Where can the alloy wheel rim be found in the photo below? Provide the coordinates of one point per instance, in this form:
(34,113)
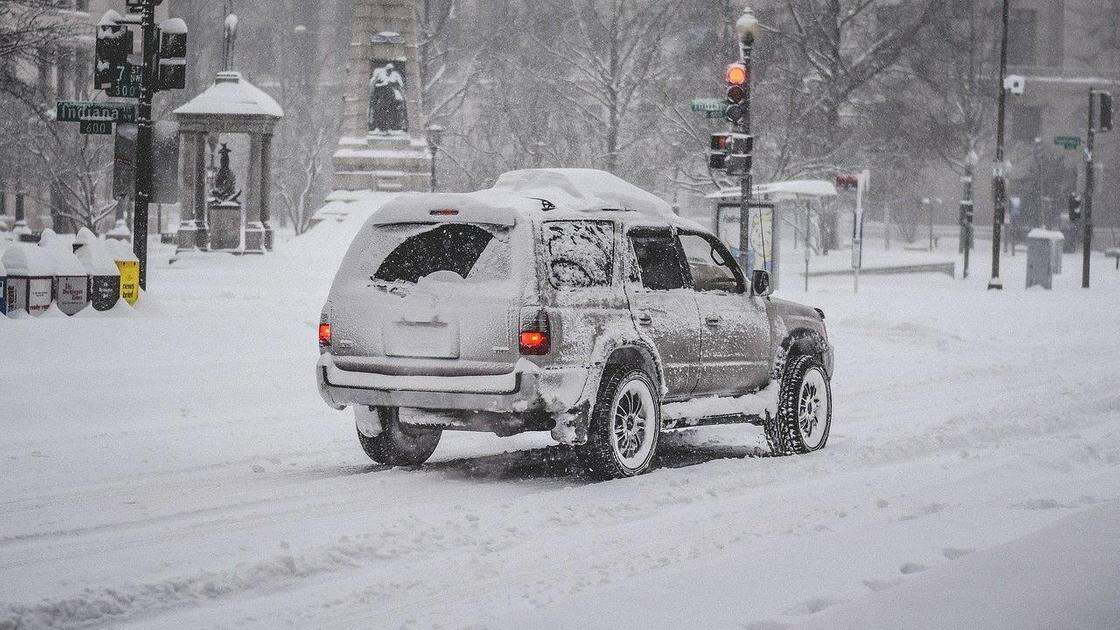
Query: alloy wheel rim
(632,430)
(813,408)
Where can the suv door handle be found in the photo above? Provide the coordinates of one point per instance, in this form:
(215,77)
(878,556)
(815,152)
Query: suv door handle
(645,319)
(713,320)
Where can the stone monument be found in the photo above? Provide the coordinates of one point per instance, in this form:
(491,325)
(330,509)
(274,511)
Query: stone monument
(383,144)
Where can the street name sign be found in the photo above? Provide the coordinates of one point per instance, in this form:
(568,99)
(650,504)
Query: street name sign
(77,111)
(126,81)
(97,126)
(1069,143)
(709,105)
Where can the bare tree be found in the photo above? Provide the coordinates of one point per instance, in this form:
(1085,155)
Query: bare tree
(76,169)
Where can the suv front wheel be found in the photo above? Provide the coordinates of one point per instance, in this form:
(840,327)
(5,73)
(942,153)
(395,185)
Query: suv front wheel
(397,444)
(804,409)
(625,425)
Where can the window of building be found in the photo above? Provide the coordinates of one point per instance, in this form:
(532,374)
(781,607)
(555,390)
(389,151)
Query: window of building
(1022,35)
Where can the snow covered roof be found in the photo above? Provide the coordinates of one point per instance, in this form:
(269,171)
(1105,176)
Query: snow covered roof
(25,259)
(784,191)
(232,95)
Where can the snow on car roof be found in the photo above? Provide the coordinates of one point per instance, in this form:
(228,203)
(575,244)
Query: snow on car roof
(524,191)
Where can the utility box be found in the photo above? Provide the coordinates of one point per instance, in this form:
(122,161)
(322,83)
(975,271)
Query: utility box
(30,279)
(71,281)
(1059,250)
(104,276)
(1040,257)
(129,266)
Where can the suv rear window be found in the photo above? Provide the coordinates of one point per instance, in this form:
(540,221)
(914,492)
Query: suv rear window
(476,253)
(580,253)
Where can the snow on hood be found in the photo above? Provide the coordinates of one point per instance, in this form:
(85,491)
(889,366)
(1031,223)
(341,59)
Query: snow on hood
(25,259)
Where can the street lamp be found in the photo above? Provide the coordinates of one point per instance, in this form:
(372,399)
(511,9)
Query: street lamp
(999,174)
(968,207)
(435,134)
(747,29)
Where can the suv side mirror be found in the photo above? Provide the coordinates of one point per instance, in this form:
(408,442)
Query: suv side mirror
(760,283)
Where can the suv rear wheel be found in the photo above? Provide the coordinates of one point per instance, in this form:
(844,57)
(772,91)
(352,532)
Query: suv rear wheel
(397,444)
(804,409)
(625,425)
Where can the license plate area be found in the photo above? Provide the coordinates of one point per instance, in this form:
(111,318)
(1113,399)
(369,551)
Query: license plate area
(422,340)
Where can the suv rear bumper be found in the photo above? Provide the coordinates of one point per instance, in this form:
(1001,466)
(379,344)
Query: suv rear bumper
(518,392)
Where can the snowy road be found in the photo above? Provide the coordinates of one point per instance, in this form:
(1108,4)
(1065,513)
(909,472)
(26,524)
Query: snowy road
(177,469)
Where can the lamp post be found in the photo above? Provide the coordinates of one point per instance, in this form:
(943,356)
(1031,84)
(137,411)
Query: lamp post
(435,134)
(967,208)
(999,174)
(747,30)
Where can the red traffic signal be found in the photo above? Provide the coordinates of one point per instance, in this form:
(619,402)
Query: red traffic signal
(737,74)
(847,182)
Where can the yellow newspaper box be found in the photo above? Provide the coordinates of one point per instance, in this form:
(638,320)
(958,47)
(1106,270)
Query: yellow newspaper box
(129,266)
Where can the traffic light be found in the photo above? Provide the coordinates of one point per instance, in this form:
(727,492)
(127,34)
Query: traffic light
(847,182)
(172,74)
(1104,111)
(967,213)
(1074,207)
(717,158)
(114,45)
(737,77)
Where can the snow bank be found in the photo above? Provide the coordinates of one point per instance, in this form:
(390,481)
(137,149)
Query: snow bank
(25,259)
(94,255)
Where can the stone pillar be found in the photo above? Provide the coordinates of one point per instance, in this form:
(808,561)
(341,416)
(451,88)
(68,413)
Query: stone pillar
(383,32)
(192,186)
(266,189)
(254,228)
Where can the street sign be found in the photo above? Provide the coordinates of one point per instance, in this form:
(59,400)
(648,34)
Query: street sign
(126,81)
(97,126)
(77,111)
(709,105)
(1069,143)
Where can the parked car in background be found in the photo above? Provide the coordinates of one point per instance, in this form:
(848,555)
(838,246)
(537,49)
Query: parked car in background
(569,301)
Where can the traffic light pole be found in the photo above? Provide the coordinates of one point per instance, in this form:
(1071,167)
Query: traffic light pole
(144,141)
(1090,183)
(999,177)
(745,182)
(967,212)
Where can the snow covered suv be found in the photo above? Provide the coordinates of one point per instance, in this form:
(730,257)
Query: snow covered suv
(569,301)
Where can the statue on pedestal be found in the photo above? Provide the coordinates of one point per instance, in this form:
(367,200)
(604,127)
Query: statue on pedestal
(388,111)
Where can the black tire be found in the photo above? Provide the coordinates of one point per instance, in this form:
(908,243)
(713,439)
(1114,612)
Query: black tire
(601,454)
(398,445)
(784,434)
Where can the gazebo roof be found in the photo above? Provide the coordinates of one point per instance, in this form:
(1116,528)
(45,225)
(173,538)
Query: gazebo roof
(231,95)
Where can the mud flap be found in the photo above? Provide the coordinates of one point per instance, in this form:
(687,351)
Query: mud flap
(571,426)
(368,421)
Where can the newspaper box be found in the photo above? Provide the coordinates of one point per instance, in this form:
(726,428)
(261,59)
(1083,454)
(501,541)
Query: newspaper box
(71,281)
(30,279)
(104,277)
(3,290)
(129,266)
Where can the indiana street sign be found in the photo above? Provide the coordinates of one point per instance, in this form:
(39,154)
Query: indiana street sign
(709,105)
(97,126)
(77,111)
(1069,143)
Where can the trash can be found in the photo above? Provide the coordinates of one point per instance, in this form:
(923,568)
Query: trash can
(129,266)
(71,281)
(30,279)
(1040,256)
(104,277)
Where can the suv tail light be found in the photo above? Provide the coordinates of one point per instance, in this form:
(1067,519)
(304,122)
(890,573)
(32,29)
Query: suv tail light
(536,335)
(324,335)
